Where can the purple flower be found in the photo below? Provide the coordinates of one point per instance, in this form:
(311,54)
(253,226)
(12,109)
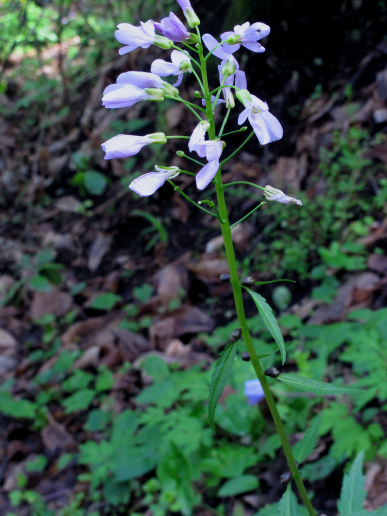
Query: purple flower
(126,145)
(189,13)
(246,35)
(133,37)
(126,95)
(265,125)
(207,174)
(254,391)
(172,28)
(180,63)
(198,135)
(147,184)
(210,149)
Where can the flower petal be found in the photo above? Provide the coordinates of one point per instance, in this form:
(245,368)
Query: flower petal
(243,116)
(260,129)
(124,145)
(197,135)
(179,79)
(274,127)
(147,184)
(207,174)
(214,150)
(262,28)
(240,80)
(164,69)
(210,43)
(254,47)
(140,79)
(177,57)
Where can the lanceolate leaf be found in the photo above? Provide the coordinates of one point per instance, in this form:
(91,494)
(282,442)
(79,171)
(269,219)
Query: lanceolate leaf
(304,448)
(288,505)
(269,320)
(353,493)
(219,378)
(320,388)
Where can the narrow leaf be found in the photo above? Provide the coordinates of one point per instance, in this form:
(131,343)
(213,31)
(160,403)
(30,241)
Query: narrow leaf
(304,448)
(353,493)
(309,385)
(269,321)
(288,505)
(238,485)
(218,380)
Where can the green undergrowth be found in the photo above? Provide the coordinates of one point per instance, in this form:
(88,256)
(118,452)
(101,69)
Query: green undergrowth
(346,196)
(161,453)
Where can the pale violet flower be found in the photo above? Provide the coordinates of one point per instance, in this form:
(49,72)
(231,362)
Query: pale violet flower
(265,125)
(211,43)
(147,184)
(254,391)
(172,28)
(126,145)
(180,63)
(207,174)
(198,135)
(146,80)
(189,13)
(144,36)
(213,97)
(210,149)
(246,35)
(126,95)
(272,194)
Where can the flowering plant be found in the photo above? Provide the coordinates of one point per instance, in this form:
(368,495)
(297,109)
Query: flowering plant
(132,87)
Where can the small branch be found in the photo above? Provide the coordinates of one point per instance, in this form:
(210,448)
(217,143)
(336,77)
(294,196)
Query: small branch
(178,137)
(190,104)
(194,160)
(243,183)
(241,130)
(238,149)
(213,106)
(199,81)
(187,104)
(177,189)
(224,122)
(248,215)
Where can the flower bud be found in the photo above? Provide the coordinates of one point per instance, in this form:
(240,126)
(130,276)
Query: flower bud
(162,42)
(158,137)
(233,40)
(243,129)
(198,95)
(248,281)
(272,372)
(223,278)
(286,477)
(180,153)
(192,38)
(236,334)
(156,94)
(273,194)
(244,97)
(169,89)
(192,18)
(245,356)
(230,67)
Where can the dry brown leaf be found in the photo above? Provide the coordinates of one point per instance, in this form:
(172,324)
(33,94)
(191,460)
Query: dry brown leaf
(378,263)
(98,249)
(209,269)
(54,302)
(55,436)
(130,344)
(8,344)
(68,204)
(90,358)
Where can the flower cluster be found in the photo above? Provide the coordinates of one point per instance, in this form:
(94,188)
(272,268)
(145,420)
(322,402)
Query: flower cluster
(132,87)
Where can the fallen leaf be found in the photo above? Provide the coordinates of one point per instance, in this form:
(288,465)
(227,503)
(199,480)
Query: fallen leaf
(68,204)
(55,436)
(8,344)
(54,302)
(209,270)
(378,263)
(98,249)
(130,344)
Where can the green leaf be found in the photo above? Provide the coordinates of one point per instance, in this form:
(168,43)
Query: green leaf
(79,400)
(288,505)
(218,380)
(314,386)
(95,183)
(353,493)
(105,301)
(9,406)
(304,448)
(238,485)
(269,320)
(37,464)
(40,283)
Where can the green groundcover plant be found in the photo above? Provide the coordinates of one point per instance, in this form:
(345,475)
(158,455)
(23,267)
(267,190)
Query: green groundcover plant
(132,87)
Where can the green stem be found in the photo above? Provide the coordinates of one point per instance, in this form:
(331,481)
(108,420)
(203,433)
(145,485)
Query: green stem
(187,104)
(224,122)
(212,51)
(179,137)
(228,86)
(237,291)
(198,79)
(248,215)
(243,183)
(218,94)
(241,130)
(194,160)
(189,46)
(177,189)
(238,149)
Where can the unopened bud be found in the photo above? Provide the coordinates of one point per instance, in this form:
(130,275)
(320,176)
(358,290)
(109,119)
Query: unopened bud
(169,89)
(230,67)
(198,95)
(162,42)
(272,372)
(180,153)
(246,356)
(155,94)
(223,278)
(243,129)
(192,18)
(249,281)
(192,38)
(286,477)
(236,334)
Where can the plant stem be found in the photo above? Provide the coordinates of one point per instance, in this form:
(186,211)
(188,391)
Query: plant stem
(179,137)
(243,183)
(194,160)
(175,187)
(248,215)
(237,291)
(224,122)
(241,130)
(238,149)
(187,104)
